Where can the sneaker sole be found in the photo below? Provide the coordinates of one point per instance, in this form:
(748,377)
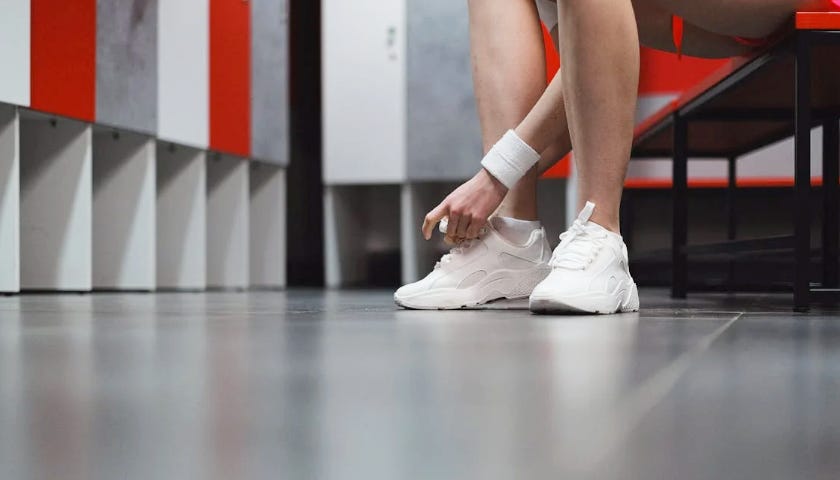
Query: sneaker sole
(504,303)
(515,286)
(624,300)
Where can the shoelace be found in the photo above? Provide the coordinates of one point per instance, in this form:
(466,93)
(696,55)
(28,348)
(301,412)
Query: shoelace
(578,246)
(459,249)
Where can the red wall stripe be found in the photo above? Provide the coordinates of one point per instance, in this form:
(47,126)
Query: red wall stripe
(230,76)
(63,63)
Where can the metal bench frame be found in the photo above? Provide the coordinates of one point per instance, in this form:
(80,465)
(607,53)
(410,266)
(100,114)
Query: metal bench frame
(804,293)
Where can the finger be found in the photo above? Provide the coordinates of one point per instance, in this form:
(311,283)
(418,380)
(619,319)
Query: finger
(463,225)
(452,228)
(432,218)
(475,227)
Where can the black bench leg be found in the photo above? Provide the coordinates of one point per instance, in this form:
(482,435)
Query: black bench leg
(802,168)
(831,207)
(679,238)
(731,217)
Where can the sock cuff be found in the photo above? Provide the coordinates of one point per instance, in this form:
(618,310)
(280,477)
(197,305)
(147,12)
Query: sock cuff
(509,159)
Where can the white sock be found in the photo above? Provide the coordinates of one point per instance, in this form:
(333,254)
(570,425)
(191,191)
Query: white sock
(514,230)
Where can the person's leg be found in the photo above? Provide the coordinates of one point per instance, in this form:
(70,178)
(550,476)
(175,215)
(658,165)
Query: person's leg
(744,18)
(602,147)
(509,77)
(599,48)
(654,24)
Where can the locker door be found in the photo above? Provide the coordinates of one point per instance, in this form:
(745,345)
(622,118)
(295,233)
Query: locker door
(270,81)
(63,62)
(363,45)
(230,76)
(14,52)
(444,138)
(183,71)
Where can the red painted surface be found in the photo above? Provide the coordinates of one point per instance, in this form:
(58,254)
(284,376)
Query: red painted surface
(63,63)
(230,76)
(752,182)
(818,20)
(552,66)
(663,72)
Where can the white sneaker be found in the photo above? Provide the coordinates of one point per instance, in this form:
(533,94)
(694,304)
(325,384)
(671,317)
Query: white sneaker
(589,272)
(480,271)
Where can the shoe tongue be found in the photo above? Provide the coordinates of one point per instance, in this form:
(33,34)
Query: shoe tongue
(584,215)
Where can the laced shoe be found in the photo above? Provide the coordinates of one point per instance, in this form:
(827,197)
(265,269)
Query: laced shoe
(589,272)
(480,271)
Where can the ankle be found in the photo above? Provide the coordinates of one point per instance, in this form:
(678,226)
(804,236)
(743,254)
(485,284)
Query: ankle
(610,222)
(517,214)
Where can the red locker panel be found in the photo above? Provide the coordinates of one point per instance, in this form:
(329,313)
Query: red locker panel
(230,76)
(64,57)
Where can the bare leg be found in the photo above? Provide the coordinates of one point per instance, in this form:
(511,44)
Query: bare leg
(745,18)
(602,148)
(509,77)
(599,46)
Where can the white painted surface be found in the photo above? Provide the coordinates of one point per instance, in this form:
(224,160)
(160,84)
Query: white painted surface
(362,233)
(56,204)
(332,245)
(183,71)
(227,222)
(364,91)
(9,199)
(344,237)
(268,226)
(409,235)
(124,201)
(14,51)
(181,218)
(771,162)
(774,162)
(572,193)
(419,255)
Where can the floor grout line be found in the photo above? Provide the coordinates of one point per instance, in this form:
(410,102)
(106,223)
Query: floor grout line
(650,393)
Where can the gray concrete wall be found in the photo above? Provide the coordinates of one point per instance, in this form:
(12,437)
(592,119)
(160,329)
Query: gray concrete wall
(126,64)
(270,81)
(443,135)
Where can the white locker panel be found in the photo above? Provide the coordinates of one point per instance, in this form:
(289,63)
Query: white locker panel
(181,218)
(183,71)
(14,51)
(9,199)
(227,222)
(55,204)
(268,225)
(364,96)
(124,199)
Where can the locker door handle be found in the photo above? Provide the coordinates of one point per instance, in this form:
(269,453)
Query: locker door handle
(391,42)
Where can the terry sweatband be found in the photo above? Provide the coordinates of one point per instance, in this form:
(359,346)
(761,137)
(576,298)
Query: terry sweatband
(509,159)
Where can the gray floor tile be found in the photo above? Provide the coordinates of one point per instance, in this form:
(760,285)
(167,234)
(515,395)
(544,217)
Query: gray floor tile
(340,384)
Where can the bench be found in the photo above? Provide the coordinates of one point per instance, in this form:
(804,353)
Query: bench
(754,101)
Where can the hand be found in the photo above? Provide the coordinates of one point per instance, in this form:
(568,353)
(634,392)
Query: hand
(468,207)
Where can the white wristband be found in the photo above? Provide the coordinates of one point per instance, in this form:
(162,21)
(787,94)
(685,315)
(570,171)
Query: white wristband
(509,159)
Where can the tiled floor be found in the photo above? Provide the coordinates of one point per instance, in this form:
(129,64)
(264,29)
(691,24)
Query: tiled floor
(341,385)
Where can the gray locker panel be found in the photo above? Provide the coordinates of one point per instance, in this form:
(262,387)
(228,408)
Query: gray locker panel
(126,64)
(444,139)
(269,81)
